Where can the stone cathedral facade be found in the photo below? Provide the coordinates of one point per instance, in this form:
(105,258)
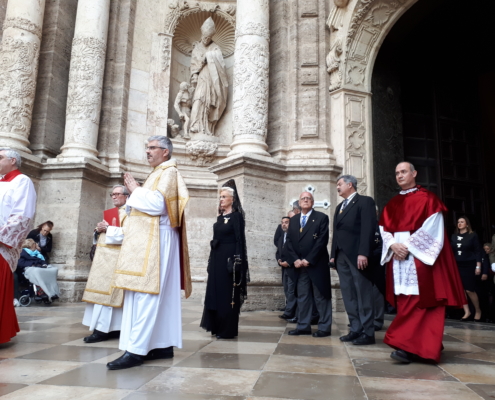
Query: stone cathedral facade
(83,83)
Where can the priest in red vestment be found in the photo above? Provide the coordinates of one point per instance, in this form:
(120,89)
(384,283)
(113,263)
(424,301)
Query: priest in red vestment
(17,206)
(422,275)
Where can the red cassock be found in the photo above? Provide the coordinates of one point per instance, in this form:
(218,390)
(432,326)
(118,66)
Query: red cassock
(8,319)
(419,324)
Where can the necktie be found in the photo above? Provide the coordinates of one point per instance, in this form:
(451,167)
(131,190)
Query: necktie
(344,204)
(303,223)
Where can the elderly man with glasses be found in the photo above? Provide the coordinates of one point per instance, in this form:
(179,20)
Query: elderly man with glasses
(103,312)
(307,254)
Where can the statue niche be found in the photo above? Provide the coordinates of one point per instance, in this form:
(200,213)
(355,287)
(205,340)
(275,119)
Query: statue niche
(209,80)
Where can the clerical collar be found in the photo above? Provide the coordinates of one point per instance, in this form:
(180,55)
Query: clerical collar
(11,175)
(408,190)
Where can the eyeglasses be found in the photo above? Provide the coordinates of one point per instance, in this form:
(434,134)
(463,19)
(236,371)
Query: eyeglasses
(305,199)
(154,147)
(116,194)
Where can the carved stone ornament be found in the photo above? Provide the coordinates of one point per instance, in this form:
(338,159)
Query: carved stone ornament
(355,75)
(18,71)
(188,31)
(85,78)
(166,52)
(253,28)
(182,8)
(341,3)
(201,151)
(24,24)
(333,66)
(250,101)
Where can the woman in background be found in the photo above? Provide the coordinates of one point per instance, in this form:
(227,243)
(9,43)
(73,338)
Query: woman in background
(43,238)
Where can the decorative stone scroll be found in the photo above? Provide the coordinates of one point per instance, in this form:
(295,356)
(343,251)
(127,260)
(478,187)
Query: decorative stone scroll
(251,90)
(201,151)
(86,78)
(253,28)
(24,24)
(166,52)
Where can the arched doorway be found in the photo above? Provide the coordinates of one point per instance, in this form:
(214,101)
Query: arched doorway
(433,104)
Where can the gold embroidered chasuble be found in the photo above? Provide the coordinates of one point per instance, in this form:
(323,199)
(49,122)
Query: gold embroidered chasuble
(138,267)
(101,279)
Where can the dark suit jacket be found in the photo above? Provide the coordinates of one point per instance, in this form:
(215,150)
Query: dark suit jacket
(311,245)
(279,255)
(354,230)
(278,232)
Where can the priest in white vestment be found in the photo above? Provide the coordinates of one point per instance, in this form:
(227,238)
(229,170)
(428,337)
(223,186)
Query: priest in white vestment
(153,263)
(103,312)
(17,207)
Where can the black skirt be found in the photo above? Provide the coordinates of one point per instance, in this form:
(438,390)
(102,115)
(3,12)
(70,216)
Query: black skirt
(467,271)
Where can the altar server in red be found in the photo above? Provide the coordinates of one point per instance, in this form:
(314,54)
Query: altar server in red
(422,276)
(17,206)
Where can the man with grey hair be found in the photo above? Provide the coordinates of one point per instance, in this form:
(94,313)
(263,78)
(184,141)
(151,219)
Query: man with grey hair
(296,208)
(354,227)
(153,263)
(17,208)
(103,312)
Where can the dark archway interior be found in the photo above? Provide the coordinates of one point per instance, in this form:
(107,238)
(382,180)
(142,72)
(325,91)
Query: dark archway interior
(433,91)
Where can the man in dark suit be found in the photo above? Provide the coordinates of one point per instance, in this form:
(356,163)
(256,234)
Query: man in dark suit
(354,226)
(289,285)
(307,254)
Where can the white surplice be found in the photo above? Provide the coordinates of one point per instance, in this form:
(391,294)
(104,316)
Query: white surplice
(152,321)
(105,318)
(17,207)
(425,244)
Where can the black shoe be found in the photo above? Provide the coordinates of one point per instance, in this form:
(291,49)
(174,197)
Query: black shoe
(283,316)
(401,356)
(292,320)
(363,340)
(127,360)
(350,337)
(281,309)
(96,336)
(297,332)
(315,321)
(158,354)
(319,333)
(224,337)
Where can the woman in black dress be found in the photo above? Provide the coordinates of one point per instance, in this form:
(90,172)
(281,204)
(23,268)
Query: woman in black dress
(228,272)
(467,251)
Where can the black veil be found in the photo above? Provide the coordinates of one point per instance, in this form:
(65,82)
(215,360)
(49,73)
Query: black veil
(237,207)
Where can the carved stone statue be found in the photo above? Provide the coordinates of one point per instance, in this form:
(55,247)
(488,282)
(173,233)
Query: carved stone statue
(209,77)
(182,105)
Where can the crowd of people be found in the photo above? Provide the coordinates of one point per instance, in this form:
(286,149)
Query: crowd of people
(134,285)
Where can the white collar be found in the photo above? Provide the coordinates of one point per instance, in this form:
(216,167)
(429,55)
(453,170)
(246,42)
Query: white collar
(350,197)
(307,215)
(408,190)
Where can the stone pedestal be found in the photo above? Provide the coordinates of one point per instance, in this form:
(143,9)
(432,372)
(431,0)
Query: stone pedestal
(251,63)
(18,70)
(86,79)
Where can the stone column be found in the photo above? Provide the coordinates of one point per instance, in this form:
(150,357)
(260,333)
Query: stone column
(87,66)
(250,97)
(18,70)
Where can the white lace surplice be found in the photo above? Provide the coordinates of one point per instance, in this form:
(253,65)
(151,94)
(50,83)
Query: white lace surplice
(425,245)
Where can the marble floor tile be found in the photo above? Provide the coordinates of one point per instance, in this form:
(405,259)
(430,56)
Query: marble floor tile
(180,396)
(255,328)
(6,388)
(488,356)
(305,339)
(226,346)
(189,320)
(27,318)
(380,369)
(110,343)
(98,375)
(474,373)
(58,320)
(275,322)
(311,365)
(191,335)
(47,392)
(37,326)
(309,350)
(458,357)
(461,346)
(169,362)
(15,348)
(224,360)
(193,345)
(32,371)
(402,389)
(370,353)
(71,353)
(203,381)
(487,392)
(50,337)
(308,386)
(263,337)
(192,328)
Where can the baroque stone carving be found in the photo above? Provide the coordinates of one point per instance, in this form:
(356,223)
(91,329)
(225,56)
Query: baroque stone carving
(355,75)
(85,78)
(253,28)
(183,104)
(201,151)
(341,3)
(24,24)
(250,101)
(333,66)
(182,8)
(188,31)
(166,52)
(18,71)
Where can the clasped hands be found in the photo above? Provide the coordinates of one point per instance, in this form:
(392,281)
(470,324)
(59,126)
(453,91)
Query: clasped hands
(283,263)
(301,263)
(130,183)
(400,251)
